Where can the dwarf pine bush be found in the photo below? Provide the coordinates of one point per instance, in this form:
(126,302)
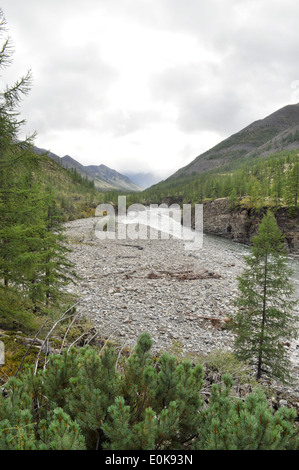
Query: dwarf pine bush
(90,400)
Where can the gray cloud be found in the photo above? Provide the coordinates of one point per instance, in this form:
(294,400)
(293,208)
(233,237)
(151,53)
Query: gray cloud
(243,64)
(121,123)
(73,89)
(206,100)
(254,66)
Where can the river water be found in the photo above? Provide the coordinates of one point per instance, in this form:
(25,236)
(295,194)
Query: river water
(232,247)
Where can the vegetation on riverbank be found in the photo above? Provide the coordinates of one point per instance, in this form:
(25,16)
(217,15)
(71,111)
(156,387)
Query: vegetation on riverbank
(272,181)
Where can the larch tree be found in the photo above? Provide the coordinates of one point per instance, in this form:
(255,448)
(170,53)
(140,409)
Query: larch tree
(16,192)
(266,317)
(292,189)
(33,252)
(55,269)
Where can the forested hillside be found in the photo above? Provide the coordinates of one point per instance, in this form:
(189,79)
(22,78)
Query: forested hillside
(259,163)
(75,195)
(273,181)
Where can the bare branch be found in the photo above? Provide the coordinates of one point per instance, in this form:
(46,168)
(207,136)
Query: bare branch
(30,346)
(51,331)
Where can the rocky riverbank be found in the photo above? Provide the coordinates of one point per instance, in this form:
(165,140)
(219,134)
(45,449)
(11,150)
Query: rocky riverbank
(182,298)
(241,224)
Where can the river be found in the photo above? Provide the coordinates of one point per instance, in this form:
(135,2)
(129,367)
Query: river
(159,219)
(232,247)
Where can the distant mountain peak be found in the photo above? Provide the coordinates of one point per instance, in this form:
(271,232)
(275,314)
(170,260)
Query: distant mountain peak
(104,177)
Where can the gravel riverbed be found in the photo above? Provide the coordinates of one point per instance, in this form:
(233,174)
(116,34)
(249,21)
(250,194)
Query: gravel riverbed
(182,298)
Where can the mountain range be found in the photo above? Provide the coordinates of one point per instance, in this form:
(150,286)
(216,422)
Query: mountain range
(105,178)
(275,133)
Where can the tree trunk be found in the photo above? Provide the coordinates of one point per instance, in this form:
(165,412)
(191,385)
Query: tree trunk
(260,357)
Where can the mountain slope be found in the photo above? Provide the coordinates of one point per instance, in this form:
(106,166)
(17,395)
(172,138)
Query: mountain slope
(104,178)
(278,131)
(74,195)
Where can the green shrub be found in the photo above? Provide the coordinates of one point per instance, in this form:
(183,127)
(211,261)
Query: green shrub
(90,400)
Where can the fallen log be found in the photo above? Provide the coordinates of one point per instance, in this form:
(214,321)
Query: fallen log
(184,275)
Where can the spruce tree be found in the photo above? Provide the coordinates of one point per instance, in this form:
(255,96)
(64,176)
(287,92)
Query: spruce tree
(265,320)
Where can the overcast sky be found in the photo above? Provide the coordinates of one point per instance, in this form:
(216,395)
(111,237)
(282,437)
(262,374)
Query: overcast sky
(148,85)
